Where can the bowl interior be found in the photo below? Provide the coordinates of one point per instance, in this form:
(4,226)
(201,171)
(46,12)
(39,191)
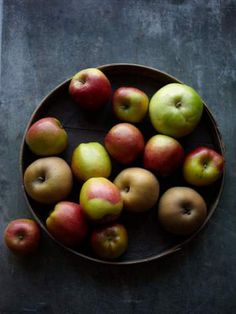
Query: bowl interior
(147,239)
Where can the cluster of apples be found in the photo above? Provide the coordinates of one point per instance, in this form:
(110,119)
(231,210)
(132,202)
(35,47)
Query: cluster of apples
(174,111)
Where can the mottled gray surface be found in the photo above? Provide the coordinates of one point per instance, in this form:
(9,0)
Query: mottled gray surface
(45,42)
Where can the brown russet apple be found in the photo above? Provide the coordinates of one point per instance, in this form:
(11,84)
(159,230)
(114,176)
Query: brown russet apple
(47,137)
(48,180)
(163,154)
(182,210)
(22,236)
(90,88)
(124,142)
(139,189)
(67,223)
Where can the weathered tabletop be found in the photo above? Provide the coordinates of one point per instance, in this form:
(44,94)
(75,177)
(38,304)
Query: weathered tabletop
(45,42)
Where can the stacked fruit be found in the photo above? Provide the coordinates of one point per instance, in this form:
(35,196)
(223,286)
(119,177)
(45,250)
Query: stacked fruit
(174,112)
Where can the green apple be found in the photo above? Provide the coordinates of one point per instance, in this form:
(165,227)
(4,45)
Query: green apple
(203,166)
(90,160)
(175,110)
(130,104)
(101,200)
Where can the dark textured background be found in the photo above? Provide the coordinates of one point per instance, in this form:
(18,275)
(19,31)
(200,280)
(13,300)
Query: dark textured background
(45,42)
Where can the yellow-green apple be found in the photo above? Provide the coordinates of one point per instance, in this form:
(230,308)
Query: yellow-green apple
(22,236)
(90,160)
(130,104)
(109,242)
(100,200)
(175,110)
(90,88)
(47,137)
(67,223)
(48,180)
(203,166)
(163,154)
(182,210)
(124,142)
(139,189)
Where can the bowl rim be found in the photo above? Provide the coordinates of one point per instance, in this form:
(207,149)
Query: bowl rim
(175,248)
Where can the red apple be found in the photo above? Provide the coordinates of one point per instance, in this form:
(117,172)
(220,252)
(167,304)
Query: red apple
(110,242)
(101,200)
(47,137)
(163,154)
(22,236)
(67,223)
(203,166)
(130,104)
(124,142)
(90,88)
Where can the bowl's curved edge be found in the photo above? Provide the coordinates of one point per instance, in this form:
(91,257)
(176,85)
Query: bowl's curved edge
(142,260)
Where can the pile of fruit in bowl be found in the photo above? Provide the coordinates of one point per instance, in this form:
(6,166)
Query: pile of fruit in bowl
(174,111)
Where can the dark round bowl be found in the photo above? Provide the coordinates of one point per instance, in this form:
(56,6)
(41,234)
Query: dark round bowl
(147,239)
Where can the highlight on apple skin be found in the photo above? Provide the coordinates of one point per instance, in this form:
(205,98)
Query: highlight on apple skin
(48,180)
(175,110)
(163,154)
(203,166)
(109,242)
(124,142)
(67,223)
(100,200)
(90,160)
(130,104)
(47,137)
(22,236)
(90,88)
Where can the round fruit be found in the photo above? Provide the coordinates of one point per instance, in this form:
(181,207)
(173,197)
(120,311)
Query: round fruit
(47,137)
(124,142)
(67,223)
(48,180)
(130,104)
(110,242)
(22,236)
(203,166)
(175,109)
(139,189)
(90,160)
(101,200)
(90,88)
(163,154)
(182,210)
